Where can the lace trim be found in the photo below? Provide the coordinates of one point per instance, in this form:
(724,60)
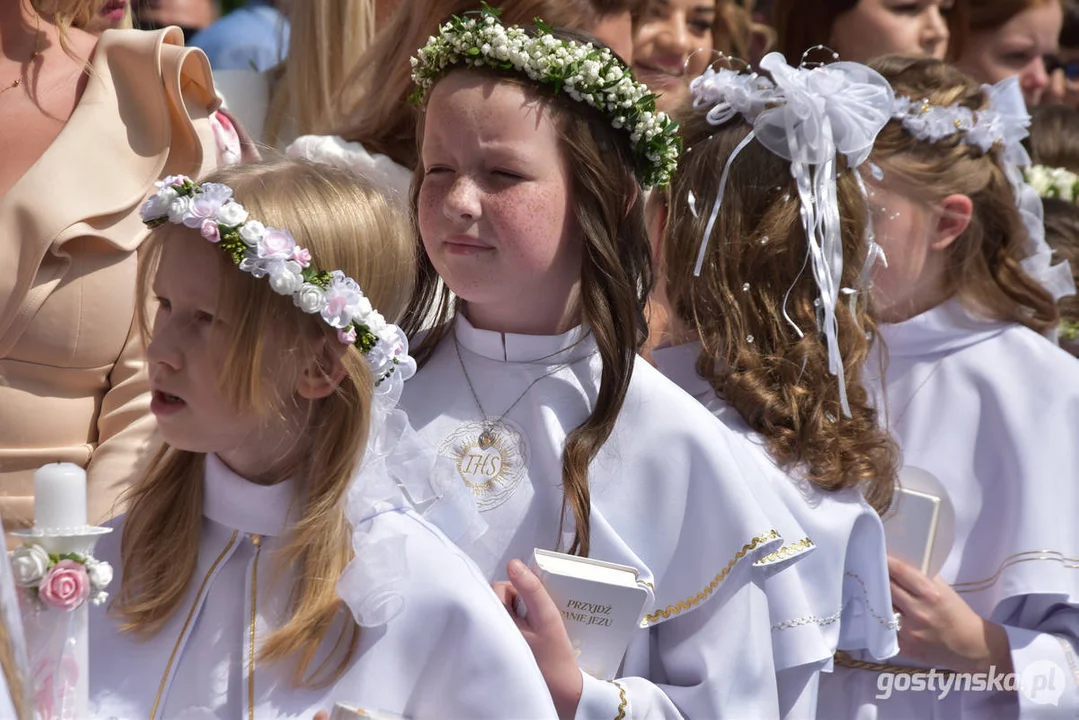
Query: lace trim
(892,624)
(808,620)
(692,602)
(1029,555)
(787,551)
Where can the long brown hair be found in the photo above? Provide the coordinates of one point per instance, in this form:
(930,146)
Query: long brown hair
(754,274)
(616,277)
(983,264)
(348,225)
(375,99)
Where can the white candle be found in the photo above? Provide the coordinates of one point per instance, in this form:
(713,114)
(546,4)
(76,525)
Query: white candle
(59,497)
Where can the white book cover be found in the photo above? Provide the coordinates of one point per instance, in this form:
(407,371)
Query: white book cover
(344,711)
(601,604)
(919,528)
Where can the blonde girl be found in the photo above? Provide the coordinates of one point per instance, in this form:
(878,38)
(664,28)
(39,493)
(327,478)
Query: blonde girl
(750,341)
(978,397)
(278,482)
(529,206)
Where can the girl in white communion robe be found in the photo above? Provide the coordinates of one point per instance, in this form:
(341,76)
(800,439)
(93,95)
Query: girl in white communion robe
(288,476)
(977,396)
(744,319)
(531,213)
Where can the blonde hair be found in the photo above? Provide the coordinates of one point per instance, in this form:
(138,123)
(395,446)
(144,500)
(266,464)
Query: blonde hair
(326,40)
(66,14)
(983,265)
(347,225)
(375,101)
(752,280)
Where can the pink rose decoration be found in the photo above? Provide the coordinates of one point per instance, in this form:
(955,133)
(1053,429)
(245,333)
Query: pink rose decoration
(65,586)
(210,231)
(347,338)
(302,256)
(276,245)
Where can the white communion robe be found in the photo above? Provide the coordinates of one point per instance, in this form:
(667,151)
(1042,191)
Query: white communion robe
(836,597)
(992,410)
(668,497)
(435,642)
(381,170)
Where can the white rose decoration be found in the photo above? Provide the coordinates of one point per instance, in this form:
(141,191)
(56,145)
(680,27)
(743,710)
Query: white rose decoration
(232,214)
(285,277)
(157,205)
(310,298)
(28,564)
(178,208)
(100,573)
(252,232)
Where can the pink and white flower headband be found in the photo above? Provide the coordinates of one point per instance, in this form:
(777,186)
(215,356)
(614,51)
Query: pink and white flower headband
(1004,125)
(273,253)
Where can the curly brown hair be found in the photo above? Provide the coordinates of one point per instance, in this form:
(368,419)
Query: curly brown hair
(983,265)
(754,273)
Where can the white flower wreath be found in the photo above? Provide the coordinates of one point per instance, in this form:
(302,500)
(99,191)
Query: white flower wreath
(1055,183)
(273,253)
(594,76)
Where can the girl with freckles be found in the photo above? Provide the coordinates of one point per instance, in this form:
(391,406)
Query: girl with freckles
(529,203)
(282,485)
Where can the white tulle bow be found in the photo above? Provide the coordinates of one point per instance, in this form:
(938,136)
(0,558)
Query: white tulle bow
(807,116)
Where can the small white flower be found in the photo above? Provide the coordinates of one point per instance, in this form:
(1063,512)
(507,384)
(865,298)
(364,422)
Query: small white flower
(231,214)
(157,205)
(285,276)
(28,564)
(178,208)
(310,298)
(98,598)
(100,573)
(252,232)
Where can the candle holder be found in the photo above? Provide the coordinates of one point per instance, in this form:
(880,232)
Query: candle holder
(58,575)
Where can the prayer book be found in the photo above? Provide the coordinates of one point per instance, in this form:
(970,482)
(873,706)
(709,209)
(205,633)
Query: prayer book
(918,529)
(601,605)
(344,711)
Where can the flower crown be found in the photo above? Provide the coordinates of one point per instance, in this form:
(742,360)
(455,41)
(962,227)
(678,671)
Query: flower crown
(1002,127)
(273,253)
(1054,183)
(594,76)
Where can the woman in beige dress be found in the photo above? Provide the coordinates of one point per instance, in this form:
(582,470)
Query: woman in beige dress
(89,125)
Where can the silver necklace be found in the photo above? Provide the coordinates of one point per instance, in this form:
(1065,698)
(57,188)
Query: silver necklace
(489,436)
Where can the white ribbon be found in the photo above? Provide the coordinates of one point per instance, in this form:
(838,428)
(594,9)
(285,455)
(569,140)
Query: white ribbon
(806,116)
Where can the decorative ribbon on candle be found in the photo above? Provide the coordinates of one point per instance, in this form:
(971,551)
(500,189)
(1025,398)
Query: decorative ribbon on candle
(806,116)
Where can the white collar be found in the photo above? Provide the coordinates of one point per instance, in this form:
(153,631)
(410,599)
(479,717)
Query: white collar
(248,507)
(678,363)
(510,347)
(946,327)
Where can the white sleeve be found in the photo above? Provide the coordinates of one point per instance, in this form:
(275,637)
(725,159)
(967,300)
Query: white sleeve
(715,662)
(1043,635)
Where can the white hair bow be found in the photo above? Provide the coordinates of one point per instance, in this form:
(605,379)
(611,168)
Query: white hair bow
(807,116)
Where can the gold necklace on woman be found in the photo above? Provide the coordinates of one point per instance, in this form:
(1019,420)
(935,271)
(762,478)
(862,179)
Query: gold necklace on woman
(33,56)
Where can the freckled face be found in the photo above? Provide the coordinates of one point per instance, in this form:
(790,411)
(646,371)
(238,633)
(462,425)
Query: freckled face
(494,209)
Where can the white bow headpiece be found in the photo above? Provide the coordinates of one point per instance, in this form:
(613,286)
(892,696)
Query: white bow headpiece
(807,116)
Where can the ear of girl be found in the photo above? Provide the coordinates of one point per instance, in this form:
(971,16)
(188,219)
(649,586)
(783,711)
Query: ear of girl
(284,477)
(749,339)
(976,396)
(531,385)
